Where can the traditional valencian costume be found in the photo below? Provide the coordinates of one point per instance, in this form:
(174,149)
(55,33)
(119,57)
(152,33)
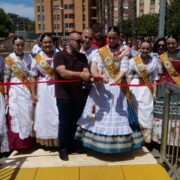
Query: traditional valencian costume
(171,69)
(46,113)
(4,144)
(115,126)
(20,114)
(143,96)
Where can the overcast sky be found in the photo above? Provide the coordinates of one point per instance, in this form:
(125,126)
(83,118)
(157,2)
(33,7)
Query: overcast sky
(24,8)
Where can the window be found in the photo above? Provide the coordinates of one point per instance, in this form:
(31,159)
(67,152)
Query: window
(141,11)
(141,2)
(125,17)
(57,26)
(71,6)
(69,16)
(71,25)
(56,17)
(152,10)
(39,17)
(152,1)
(39,26)
(65,6)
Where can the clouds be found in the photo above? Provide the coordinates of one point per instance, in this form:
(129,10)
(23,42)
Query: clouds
(20,9)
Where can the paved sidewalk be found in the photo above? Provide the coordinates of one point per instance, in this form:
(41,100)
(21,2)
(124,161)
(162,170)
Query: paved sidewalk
(39,164)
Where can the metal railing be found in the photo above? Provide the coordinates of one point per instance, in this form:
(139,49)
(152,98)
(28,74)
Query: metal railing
(169,152)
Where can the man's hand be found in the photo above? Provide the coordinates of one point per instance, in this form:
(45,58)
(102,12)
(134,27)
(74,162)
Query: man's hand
(85,75)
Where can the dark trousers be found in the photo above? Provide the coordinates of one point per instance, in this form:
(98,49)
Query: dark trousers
(69,113)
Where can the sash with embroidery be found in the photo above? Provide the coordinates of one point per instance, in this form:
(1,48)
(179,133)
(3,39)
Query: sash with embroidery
(113,70)
(19,73)
(45,66)
(170,68)
(2,89)
(144,74)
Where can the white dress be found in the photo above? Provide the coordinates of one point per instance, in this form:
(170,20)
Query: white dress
(4,144)
(20,99)
(142,95)
(46,113)
(111,107)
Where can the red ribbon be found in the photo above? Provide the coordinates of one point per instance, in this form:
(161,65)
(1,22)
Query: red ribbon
(20,83)
(66,81)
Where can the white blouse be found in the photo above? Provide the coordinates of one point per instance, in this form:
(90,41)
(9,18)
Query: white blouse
(152,69)
(36,69)
(25,65)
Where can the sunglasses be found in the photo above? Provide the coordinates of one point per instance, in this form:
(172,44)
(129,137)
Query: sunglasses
(78,41)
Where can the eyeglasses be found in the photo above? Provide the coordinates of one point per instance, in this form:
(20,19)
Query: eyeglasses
(78,41)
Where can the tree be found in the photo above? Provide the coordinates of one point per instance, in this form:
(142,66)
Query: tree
(32,26)
(6,24)
(147,25)
(126,28)
(173,18)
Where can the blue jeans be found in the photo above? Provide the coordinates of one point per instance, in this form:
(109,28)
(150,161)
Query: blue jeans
(69,113)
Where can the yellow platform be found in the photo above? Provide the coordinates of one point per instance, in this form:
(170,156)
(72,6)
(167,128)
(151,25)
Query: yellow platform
(44,165)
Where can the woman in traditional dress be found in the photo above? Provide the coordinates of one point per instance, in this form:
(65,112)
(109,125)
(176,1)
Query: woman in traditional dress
(4,144)
(160,47)
(18,97)
(143,69)
(171,72)
(46,112)
(108,123)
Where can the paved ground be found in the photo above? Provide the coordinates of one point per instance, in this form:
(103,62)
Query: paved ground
(38,164)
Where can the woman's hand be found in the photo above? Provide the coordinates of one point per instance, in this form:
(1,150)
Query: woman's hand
(154,97)
(6,98)
(35,99)
(100,78)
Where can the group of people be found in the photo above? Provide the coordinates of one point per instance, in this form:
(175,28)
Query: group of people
(88,103)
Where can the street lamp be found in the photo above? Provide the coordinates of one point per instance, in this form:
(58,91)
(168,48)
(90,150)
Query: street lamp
(57,8)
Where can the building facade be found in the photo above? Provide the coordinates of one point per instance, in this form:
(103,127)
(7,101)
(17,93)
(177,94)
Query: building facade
(21,23)
(62,16)
(147,7)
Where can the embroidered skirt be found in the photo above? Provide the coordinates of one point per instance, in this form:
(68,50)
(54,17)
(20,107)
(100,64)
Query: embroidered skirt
(174,123)
(114,127)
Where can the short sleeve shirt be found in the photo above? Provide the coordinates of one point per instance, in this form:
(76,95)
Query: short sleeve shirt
(69,90)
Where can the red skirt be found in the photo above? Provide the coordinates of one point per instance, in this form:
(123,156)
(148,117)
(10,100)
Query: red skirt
(15,142)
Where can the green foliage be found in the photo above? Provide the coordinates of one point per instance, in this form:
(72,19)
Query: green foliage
(147,25)
(173,17)
(6,24)
(127,28)
(32,26)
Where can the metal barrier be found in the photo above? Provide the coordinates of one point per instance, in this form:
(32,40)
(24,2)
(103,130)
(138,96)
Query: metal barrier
(169,152)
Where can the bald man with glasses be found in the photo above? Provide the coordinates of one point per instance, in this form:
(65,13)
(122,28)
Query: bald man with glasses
(70,64)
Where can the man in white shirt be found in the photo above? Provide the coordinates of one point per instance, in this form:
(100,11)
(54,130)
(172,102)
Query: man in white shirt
(90,52)
(37,47)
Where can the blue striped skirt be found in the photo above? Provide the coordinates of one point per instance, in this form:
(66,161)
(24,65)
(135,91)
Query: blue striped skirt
(114,143)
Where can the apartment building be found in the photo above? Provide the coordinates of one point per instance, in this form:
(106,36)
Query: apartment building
(62,16)
(147,7)
(21,23)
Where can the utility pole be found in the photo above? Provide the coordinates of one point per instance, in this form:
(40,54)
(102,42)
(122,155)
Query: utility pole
(41,15)
(162,18)
(134,21)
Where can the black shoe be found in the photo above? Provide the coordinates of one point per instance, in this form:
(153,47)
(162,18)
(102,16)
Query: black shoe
(64,156)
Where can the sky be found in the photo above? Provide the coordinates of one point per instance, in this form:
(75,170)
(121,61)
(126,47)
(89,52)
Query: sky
(24,8)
